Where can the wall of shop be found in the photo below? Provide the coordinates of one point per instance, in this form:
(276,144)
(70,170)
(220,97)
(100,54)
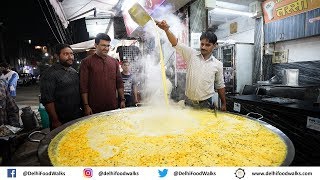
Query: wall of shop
(309,71)
(257,61)
(245,30)
(303,55)
(300,50)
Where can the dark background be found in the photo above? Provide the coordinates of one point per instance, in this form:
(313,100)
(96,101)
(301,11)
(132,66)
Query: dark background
(34,20)
(24,20)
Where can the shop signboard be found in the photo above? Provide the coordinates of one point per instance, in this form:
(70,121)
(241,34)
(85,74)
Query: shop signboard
(181,65)
(274,10)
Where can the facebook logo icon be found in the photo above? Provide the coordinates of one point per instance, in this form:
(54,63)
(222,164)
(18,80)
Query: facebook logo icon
(11,173)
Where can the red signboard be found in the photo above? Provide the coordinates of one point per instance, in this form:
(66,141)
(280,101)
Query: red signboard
(151,5)
(181,65)
(279,9)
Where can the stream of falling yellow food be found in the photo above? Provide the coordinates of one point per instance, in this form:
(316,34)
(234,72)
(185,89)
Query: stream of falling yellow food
(163,73)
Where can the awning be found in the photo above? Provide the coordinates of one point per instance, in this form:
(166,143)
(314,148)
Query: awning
(70,10)
(86,45)
(99,14)
(83,46)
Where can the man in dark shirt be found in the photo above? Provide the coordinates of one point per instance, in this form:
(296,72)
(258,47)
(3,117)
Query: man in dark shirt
(59,88)
(100,79)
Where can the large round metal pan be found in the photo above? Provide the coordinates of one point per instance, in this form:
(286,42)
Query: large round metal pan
(44,143)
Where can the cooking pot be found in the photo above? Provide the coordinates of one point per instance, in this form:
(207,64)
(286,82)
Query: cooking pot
(44,143)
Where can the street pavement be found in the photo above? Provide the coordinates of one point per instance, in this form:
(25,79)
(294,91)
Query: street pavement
(28,96)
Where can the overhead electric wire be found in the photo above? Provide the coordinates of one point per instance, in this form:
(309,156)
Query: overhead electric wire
(69,35)
(66,34)
(48,21)
(56,24)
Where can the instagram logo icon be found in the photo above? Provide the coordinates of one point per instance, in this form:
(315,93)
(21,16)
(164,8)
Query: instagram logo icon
(87,172)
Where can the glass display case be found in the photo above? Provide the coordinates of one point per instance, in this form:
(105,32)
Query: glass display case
(237,62)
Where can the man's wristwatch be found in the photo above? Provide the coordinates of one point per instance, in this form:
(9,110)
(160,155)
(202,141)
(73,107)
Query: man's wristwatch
(123,99)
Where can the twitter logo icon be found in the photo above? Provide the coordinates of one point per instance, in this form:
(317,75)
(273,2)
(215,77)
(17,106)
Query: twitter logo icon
(163,173)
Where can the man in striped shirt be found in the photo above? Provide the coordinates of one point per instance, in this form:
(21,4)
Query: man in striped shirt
(204,71)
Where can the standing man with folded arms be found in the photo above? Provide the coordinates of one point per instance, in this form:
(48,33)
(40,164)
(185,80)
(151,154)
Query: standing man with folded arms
(59,89)
(100,79)
(204,71)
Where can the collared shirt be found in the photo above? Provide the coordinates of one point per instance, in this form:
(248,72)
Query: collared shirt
(203,76)
(100,78)
(9,111)
(61,85)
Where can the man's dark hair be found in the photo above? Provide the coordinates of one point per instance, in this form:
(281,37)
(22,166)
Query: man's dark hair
(101,36)
(209,34)
(5,65)
(59,47)
(125,61)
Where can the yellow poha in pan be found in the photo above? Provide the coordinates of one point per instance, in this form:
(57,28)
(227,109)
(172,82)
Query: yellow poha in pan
(179,137)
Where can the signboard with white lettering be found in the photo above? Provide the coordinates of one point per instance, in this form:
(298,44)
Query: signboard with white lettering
(237,107)
(279,9)
(313,123)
